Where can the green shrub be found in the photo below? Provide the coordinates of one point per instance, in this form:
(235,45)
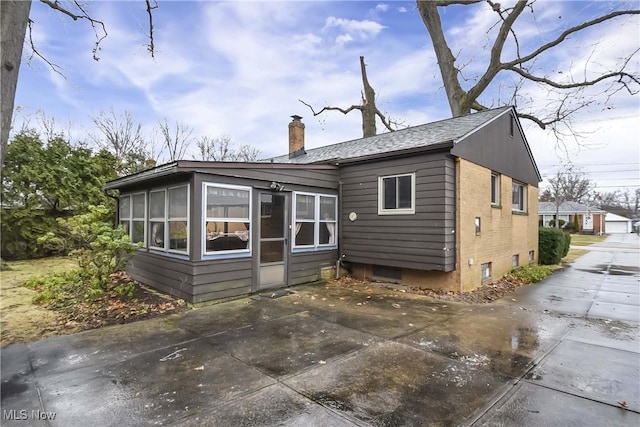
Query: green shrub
(101,251)
(551,245)
(566,244)
(531,273)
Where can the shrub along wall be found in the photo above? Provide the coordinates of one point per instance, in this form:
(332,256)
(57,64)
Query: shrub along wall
(553,245)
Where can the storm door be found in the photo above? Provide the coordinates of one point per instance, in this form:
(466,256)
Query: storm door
(273,239)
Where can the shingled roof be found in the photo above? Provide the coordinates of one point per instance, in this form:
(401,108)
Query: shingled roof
(422,136)
(549,208)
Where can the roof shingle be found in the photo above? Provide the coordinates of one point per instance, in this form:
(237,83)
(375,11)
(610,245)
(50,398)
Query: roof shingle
(449,130)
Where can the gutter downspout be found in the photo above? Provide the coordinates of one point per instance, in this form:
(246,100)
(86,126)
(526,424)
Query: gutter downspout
(339,260)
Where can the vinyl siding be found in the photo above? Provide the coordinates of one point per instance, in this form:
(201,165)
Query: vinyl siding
(305,267)
(422,241)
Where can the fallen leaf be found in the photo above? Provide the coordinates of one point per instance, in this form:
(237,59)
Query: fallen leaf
(199,368)
(395,305)
(322,362)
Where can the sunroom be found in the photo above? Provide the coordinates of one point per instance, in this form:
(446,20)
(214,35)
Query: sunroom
(212,230)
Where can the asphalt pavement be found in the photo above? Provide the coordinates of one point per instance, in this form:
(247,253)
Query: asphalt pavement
(565,351)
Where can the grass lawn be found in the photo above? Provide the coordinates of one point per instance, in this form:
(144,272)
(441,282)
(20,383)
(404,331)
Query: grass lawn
(20,320)
(586,239)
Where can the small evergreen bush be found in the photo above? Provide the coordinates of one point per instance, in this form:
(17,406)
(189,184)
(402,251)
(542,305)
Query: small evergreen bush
(552,245)
(101,251)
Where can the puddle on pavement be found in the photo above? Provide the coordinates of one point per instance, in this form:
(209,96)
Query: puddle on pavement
(613,269)
(13,387)
(391,384)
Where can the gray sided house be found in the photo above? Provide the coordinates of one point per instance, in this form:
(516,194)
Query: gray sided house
(448,204)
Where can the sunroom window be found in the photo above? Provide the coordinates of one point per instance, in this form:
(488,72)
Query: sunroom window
(315,219)
(132,215)
(227,219)
(169,219)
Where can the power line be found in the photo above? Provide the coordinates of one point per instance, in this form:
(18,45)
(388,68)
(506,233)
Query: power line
(594,164)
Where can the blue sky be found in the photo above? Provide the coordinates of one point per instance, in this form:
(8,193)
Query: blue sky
(238,69)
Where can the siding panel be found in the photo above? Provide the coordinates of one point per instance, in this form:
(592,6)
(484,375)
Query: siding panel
(422,241)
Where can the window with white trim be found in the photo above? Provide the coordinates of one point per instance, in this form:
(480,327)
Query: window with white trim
(519,197)
(157,219)
(227,219)
(315,218)
(132,215)
(495,189)
(397,194)
(532,256)
(169,219)
(486,271)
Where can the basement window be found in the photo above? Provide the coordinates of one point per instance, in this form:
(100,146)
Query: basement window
(515,261)
(384,272)
(486,271)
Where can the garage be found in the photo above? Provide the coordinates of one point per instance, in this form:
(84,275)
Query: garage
(616,224)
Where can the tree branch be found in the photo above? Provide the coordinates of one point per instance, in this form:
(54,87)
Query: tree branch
(151,46)
(496,50)
(35,51)
(585,83)
(567,33)
(342,110)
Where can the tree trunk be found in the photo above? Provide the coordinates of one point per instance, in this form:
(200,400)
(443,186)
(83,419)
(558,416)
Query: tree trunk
(14,18)
(456,96)
(368,104)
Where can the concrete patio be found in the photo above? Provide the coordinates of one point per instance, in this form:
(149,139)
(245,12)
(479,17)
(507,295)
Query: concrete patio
(565,351)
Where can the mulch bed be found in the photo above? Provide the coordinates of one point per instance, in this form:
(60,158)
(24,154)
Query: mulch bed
(486,293)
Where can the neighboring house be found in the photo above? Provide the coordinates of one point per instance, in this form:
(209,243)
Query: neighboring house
(591,220)
(616,224)
(448,205)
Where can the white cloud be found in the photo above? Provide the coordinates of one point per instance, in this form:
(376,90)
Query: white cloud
(343,39)
(382,7)
(402,9)
(363,30)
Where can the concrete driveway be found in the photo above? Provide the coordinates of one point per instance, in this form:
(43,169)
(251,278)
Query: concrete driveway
(562,352)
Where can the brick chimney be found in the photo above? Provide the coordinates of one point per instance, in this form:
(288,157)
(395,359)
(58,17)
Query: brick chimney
(296,137)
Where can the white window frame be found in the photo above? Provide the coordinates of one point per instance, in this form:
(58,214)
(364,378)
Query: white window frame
(131,219)
(515,261)
(162,219)
(495,195)
(167,220)
(485,268)
(532,256)
(205,219)
(396,211)
(522,205)
(317,221)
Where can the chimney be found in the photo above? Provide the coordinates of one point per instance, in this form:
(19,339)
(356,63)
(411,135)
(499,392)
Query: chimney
(296,137)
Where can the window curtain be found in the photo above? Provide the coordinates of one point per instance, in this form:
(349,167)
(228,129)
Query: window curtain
(331,228)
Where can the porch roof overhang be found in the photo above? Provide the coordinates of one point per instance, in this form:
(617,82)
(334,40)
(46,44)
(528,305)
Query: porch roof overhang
(192,166)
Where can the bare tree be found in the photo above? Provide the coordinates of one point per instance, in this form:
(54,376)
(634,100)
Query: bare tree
(175,140)
(16,27)
(247,153)
(625,203)
(221,149)
(119,135)
(523,64)
(567,185)
(367,107)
